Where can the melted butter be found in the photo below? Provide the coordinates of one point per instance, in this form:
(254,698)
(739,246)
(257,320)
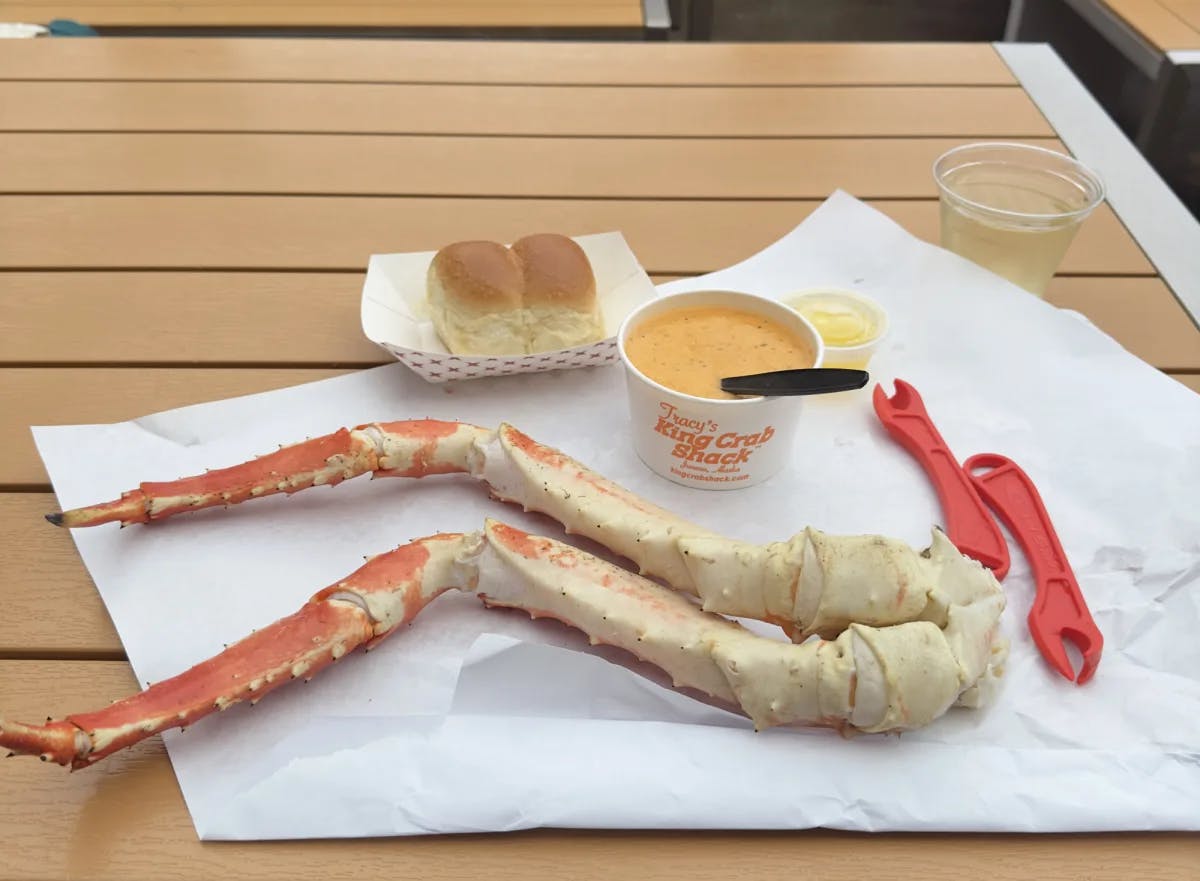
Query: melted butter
(692,350)
(839,320)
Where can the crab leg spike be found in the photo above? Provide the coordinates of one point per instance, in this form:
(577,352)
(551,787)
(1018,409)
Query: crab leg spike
(387,591)
(390,449)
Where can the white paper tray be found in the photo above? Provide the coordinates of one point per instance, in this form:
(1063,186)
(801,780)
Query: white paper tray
(395,316)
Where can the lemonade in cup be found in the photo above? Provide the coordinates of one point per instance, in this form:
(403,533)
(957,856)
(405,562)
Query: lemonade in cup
(1014,208)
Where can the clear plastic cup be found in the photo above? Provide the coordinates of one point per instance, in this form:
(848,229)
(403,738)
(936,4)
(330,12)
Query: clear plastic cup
(1014,208)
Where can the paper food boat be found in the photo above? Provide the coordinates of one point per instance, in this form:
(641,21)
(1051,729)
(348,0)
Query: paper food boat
(396,318)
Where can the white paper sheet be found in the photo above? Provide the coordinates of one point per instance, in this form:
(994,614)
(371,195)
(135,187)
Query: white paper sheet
(477,720)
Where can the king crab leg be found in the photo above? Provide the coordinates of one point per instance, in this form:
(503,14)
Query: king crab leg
(366,606)
(813,584)
(513,466)
(415,448)
(868,678)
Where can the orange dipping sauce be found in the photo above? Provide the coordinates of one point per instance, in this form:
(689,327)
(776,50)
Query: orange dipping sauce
(692,350)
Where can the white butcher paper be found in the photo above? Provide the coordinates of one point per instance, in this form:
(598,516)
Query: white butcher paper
(475,720)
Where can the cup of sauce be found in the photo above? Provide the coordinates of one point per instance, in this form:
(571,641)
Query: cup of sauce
(851,325)
(676,350)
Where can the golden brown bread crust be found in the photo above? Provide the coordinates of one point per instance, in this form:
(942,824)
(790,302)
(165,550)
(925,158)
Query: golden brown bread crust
(538,296)
(557,272)
(481,276)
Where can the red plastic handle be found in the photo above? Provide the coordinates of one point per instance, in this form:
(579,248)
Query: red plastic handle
(1059,609)
(969,524)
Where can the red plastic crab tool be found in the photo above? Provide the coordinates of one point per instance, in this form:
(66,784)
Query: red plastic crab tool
(1059,611)
(968,523)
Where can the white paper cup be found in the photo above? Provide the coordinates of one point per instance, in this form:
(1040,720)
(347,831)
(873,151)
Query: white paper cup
(708,443)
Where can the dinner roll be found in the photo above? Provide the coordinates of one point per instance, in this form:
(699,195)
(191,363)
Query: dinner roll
(474,292)
(540,295)
(560,292)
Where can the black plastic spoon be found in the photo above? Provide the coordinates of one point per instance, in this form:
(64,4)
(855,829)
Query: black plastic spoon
(810,381)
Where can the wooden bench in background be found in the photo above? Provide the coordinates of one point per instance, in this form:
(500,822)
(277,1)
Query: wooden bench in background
(1160,38)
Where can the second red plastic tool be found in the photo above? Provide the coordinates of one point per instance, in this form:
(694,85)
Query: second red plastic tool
(1059,611)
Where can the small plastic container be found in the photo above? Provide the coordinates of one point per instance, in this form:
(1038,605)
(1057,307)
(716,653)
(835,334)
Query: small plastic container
(711,443)
(851,325)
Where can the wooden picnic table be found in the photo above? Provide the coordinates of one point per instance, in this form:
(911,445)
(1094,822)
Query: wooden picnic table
(184,220)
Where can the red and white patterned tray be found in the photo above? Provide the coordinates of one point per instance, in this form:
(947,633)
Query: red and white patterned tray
(395,317)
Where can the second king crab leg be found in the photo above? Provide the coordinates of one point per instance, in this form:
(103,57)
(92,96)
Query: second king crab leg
(872,679)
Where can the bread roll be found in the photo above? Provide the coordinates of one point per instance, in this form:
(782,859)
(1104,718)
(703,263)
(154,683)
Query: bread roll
(540,295)
(560,293)
(474,291)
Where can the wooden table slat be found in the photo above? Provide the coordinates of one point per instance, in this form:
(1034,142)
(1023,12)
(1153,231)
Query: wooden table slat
(477,166)
(983,111)
(51,607)
(340,233)
(126,821)
(349,4)
(408,14)
(1188,11)
(566,63)
(45,396)
(1191,380)
(100,318)
(1141,313)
